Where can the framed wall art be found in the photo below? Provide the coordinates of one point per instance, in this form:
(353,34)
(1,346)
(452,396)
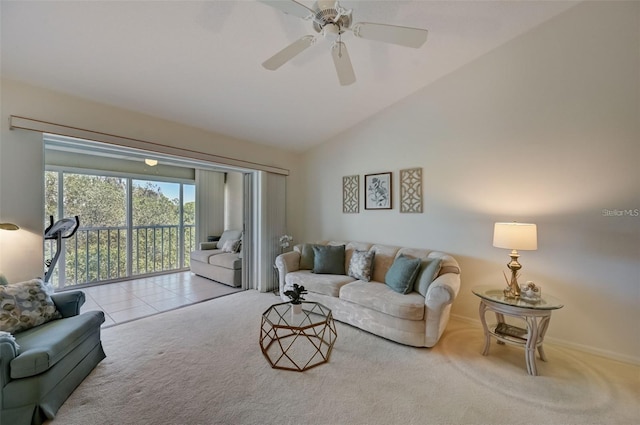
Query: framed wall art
(351,194)
(411,190)
(377,190)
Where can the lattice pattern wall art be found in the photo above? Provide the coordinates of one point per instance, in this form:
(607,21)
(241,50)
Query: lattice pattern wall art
(351,194)
(411,190)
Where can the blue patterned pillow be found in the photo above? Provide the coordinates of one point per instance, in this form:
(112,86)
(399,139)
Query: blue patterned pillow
(25,305)
(361,265)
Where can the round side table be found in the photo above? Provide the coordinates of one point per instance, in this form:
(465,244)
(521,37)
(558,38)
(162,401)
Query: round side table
(535,314)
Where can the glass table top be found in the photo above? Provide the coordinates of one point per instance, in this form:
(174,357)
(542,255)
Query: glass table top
(495,294)
(313,313)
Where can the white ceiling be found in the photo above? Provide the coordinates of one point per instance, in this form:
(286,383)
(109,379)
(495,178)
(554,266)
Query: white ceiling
(198,62)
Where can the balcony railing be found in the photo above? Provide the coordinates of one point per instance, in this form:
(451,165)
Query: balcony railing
(96,254)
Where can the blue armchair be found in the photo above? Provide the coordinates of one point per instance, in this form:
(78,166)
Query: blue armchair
(45,364)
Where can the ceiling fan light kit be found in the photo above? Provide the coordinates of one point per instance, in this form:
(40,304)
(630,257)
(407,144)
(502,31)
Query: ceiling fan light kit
(331,21)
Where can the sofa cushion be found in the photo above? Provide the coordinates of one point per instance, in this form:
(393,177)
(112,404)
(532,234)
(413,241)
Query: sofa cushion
(361,265)
(25,305)
(429,270)
(306,257)
(231,245)
(402,274)
(328,259)
(385,255)
(326,284)
(228,234)
(381,298)
(228,260)
(43,346)
(203,255)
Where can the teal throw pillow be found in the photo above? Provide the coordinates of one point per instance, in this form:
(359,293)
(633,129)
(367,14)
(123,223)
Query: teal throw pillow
(3,280)
(328,259)
(361,265)
(402,274)
(429,270)
(306,257)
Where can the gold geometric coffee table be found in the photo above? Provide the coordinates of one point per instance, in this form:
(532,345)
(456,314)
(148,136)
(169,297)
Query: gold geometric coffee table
(297,341)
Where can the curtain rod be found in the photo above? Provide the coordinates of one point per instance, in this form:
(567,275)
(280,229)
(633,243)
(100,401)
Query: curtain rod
(24,123)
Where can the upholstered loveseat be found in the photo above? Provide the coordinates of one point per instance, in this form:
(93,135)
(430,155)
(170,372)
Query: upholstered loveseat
(41,366)
(216,262)
(417,317)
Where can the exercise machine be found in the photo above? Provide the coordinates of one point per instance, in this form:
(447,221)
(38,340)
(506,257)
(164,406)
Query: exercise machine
(61,229)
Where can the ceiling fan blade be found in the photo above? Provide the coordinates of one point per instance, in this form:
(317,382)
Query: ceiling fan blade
(343,64)
(403,36)
(290,7)
(289,52)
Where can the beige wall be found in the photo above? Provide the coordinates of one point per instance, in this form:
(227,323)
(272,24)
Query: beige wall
(544,129)
(21,160)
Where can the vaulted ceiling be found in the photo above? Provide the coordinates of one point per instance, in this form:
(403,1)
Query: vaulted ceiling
(199,62)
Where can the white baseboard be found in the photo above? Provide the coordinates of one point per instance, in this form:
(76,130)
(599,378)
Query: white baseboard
(634,360)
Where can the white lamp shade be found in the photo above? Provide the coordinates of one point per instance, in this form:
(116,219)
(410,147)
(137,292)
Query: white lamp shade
(522,236)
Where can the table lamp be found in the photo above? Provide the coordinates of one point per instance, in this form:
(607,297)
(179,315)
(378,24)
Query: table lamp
(515,236)
(8,226)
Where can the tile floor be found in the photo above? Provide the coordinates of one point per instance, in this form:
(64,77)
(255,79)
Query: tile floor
(133,299)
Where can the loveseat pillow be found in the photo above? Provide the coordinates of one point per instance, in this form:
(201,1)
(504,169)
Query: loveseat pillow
(361,265)
(402,274)
(231,245)
(25,305)
(328,259)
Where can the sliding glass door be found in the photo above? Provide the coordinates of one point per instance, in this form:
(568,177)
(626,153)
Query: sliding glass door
(128,227)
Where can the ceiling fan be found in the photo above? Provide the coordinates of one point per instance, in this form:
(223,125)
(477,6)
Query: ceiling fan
(330,20)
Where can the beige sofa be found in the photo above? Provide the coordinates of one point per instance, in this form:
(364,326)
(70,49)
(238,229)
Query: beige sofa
(212,262)
(410,319)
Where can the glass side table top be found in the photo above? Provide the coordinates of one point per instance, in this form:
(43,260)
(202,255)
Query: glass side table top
(492,293)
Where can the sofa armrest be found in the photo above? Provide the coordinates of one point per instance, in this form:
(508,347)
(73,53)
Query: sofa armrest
(8,352)
(286,263)
(443,290)
(208,245)
(69,303)
(440,296)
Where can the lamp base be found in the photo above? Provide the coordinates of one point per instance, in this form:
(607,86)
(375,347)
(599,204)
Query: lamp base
(513,290)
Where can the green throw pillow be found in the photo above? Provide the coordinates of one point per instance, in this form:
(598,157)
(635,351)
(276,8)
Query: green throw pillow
(429,271)
(328,259)
(402,274)
(306,257)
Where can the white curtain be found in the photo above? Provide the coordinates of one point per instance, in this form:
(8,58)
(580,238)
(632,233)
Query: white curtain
(209,204)
(270,223)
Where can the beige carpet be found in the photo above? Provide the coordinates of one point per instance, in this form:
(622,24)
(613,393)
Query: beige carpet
(202,365)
